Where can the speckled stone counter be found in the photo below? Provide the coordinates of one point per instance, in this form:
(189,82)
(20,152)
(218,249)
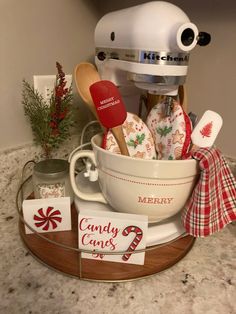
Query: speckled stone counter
(203,282)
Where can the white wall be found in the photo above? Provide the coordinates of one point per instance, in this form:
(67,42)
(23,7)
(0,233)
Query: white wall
(33,36)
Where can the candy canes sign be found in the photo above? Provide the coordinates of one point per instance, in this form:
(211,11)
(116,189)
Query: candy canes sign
(110,233)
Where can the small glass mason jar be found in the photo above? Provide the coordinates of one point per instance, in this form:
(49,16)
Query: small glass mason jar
(51,179)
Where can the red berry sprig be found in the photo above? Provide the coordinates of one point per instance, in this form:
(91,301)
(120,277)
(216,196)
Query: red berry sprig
(57,115)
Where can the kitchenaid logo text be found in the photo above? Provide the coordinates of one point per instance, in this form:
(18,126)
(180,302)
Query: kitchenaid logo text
(155,200)
(155,56)
(143,56)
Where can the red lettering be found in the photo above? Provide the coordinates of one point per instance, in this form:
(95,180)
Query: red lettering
(155,200)
(83,220)
(85,224)
(98,255)
(102,244)
(85,238)
(142,199)
(150,200)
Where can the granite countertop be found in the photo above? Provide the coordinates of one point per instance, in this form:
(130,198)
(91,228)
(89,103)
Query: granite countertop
(204,281)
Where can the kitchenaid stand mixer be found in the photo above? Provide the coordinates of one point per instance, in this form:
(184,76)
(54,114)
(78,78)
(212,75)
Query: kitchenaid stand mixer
(142,49)
(147,46)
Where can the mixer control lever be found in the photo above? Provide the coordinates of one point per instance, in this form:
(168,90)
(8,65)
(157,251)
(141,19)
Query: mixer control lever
(203,39)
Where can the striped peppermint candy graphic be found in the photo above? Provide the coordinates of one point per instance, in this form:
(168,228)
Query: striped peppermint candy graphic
(51,218)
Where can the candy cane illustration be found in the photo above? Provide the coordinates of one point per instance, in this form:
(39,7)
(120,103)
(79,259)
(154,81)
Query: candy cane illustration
(135,242)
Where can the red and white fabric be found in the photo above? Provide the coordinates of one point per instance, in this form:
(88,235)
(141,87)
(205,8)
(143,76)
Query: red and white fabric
(171,133)
(213,202)
(138,138)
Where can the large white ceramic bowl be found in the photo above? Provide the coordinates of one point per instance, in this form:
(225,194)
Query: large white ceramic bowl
(156,188)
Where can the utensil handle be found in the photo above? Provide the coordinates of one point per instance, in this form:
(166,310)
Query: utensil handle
(119,136)
(183,97)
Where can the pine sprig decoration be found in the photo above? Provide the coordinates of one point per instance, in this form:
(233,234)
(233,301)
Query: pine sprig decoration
(50,123)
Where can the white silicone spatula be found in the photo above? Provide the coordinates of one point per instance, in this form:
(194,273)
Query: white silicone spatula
(206,130)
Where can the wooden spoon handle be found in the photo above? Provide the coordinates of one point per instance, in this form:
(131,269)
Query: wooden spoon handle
(119,136)
(183,97)
(152,100)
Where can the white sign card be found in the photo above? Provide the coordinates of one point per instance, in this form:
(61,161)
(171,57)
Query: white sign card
(112,232)
(47,215)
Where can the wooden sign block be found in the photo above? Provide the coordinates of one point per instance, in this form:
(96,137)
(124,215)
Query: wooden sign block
(47,215)
(112,232)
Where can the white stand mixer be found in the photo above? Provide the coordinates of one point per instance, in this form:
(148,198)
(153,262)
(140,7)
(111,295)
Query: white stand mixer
(143,49)
(147,45)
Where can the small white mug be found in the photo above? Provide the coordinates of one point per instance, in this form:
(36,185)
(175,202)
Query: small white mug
(156,188)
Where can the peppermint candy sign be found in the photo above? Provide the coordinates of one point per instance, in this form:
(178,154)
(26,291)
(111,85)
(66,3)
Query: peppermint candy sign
(51,217)
(102,232)
(47,215)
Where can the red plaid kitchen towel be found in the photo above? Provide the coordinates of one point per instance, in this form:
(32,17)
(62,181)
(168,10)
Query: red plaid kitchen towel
(213,202)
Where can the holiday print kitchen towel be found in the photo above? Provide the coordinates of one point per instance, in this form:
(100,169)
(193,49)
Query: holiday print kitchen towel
(171,132)
(213,202)
(138,138)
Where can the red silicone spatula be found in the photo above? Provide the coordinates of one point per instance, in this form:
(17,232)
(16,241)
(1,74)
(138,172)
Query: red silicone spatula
(110,110)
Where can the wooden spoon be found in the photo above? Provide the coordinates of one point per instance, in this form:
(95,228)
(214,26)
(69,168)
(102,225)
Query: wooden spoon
(110,110)
(85,75)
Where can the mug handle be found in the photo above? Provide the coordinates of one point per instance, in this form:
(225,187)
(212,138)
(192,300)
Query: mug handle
(94,197)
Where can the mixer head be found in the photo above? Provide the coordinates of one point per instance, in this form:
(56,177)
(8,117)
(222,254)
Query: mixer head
(147,45)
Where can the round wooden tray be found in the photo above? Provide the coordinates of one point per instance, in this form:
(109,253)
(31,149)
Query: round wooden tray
(68,260)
